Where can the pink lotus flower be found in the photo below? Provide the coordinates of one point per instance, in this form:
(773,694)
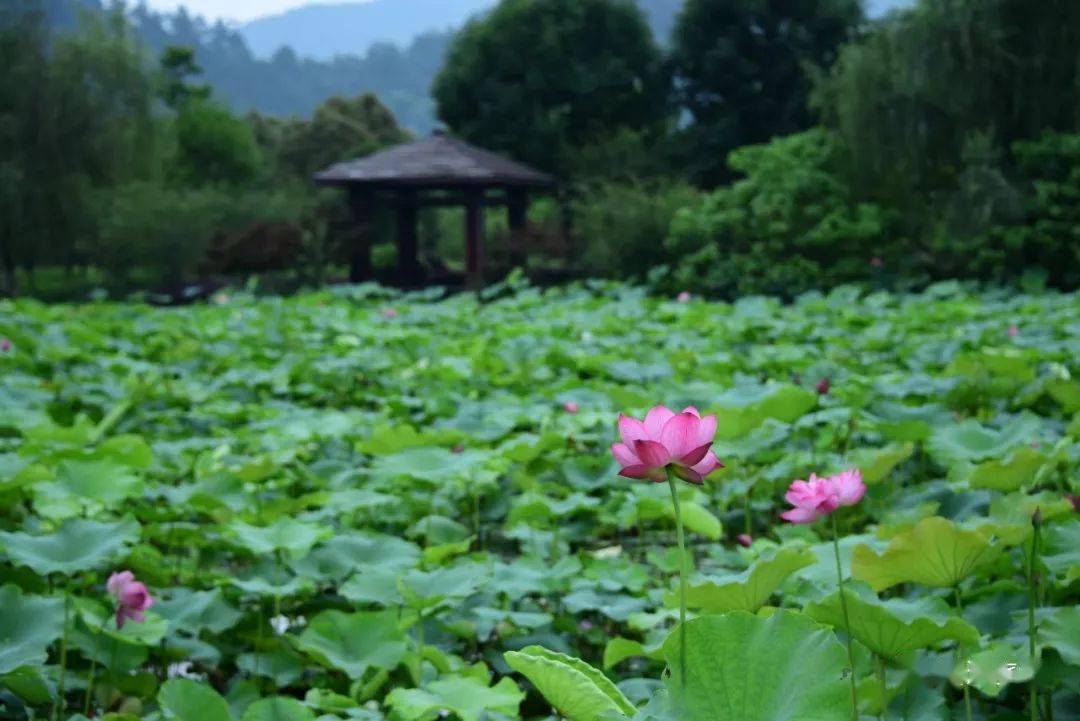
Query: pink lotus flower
(1014,330)
(683,297)
(571,407)
(131,596)
(818,497)
(5,345)
(744,540)
(389,313)
(822,386)
(665,440)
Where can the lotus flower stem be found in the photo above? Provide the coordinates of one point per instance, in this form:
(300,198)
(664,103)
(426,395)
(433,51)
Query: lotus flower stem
(90,686)
(682,577)
(63,664)
(1033,591)
(419,648)
(847,624)
(884,715)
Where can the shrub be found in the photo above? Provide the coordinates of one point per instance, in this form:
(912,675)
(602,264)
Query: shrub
(622,226)
(789,224)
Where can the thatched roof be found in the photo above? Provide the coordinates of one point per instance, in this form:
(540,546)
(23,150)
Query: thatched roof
(438,161)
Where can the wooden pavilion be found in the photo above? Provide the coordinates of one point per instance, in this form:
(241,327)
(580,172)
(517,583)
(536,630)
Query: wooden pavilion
(435,171)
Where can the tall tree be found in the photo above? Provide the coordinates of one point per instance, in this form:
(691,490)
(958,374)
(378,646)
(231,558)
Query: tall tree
(741,70)
(540,79)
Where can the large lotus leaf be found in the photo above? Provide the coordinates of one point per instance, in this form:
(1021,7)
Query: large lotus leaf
(741,667)
(969,440)
(916,701)
(1061,630)
(876,464)
(281,663)
(428,463)
(993,668)
(468,698)
(28,624)
(83,485)
(745,407)
(79,544)
(373,585)
(185,700)
(618,649)
(194,611)
(340,556)
(749,590)
(1061,551)
(935,553)
(452,582)
(278,708)
(894,627)
(574,688)
(355,642)
(1065,392)
(286,534)
(1009,474)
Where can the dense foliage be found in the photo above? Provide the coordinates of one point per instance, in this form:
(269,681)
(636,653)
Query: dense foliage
(347,512)
(542,80)
(741,71)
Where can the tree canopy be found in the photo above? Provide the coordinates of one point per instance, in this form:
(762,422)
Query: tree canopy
(539,79)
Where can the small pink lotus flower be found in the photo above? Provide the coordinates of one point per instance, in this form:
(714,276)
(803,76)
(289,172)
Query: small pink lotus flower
(389,313)
(822,386)
(744,540)
(877,262)
(131,596)
(665,440)
(5,345)
(683,297)
(818,497)
(571,407)
(1014,330)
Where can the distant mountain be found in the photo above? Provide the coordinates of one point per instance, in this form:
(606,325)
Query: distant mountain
(323,31)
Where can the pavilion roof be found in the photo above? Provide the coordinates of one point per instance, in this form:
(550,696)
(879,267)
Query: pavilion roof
(437,161)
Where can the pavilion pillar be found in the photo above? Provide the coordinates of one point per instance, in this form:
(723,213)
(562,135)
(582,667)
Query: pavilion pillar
(362,206)
(409,271)
(516,207)
(474,237)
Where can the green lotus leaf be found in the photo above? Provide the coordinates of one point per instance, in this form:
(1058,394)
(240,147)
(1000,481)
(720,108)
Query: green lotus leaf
(574,688)
(993,668)
(428,463)
(286,534)
(28,624)
(185,700)
(1065,392)
(1013,472)
(1060,630)
(85,485)
(468,698)
(876,464)
(934,553)
(78,545)
(619,649)
(355,642)
(281,663)
(278,708)
(195,611)
(1061,551)
(741,667)
(749,590)
(745,407)
(969,440)
(894,627)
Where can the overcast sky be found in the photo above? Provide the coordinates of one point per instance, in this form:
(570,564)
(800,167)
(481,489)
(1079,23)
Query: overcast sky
(231,9)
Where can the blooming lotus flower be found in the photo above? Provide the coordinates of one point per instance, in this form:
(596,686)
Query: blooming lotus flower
(683,297)
(131,596)
(665,440)
(818,497)
(571,407)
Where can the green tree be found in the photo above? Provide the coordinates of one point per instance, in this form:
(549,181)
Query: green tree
(540,79)
(214,146)
(741,70)
(178,66)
